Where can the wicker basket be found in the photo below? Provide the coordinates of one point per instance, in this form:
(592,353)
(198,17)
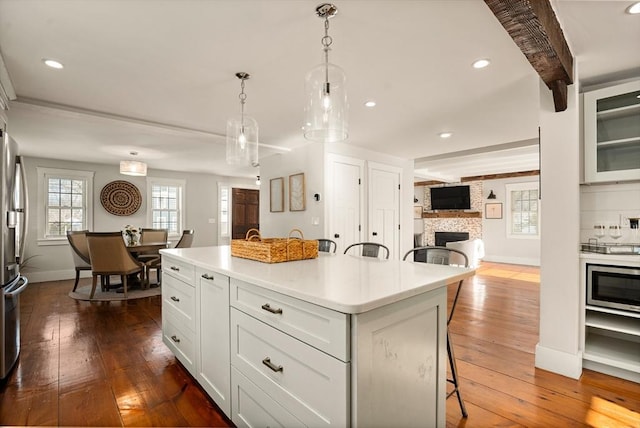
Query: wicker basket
(274,250)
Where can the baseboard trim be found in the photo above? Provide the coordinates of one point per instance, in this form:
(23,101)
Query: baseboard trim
(555,361)
(55,275)
(527,261)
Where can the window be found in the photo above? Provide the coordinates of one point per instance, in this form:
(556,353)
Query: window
(523,207)
(65,203)
(165,197)
(224,210)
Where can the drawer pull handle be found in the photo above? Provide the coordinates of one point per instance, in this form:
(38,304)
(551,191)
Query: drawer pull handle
(175,299)
(177,269)
(175,338)
(267,362)
(207,276)
(268,308)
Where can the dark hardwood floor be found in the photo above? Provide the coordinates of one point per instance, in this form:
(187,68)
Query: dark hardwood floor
(104,364)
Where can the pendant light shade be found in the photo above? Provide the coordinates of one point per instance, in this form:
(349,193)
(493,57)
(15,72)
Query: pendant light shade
(326,109)
(242,134)
(326,113)
(133,167)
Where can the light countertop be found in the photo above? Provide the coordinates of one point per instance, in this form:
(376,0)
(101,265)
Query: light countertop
(344,283)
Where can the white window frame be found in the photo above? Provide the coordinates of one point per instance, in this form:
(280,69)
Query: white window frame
(43,201)
(530,185)
(182,188)
(224,229)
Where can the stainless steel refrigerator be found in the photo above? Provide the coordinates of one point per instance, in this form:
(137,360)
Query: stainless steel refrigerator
(13,198)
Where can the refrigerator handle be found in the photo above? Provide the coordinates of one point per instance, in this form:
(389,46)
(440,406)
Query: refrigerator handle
(24,208)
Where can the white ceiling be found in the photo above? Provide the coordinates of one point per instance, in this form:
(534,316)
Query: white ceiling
(158,77)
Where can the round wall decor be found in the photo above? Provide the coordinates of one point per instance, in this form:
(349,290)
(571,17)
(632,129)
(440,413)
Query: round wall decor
(120,198)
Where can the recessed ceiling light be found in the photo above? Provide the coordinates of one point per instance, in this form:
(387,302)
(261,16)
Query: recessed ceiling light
(53,63)
(481,63)
(445,134)
(634,9)
(370,104)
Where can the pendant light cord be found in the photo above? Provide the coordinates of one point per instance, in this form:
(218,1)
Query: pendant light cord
(243,99)
(326,43)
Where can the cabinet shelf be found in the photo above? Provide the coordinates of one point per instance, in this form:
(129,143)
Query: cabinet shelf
(620,142)
(612,352)
(619,112)
(612,322)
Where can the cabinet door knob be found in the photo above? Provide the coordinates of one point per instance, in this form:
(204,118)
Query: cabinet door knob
(175,299)
(268,308)
(177,269)
(175,338)
(336,235)
(207,276)
(375,233)
(267,362)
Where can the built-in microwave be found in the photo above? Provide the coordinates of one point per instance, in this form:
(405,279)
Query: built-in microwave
(616,287)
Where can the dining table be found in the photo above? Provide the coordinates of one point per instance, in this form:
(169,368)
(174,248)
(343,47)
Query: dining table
(146,247)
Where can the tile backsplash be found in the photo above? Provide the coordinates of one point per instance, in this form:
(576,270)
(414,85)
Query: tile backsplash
(609,204)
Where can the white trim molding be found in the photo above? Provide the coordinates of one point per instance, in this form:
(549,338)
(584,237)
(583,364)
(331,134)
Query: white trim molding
(569,365)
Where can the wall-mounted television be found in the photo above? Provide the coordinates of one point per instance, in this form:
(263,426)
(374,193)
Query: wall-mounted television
(450,198)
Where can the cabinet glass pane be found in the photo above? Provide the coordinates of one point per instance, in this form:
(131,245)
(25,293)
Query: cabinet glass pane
(618,132)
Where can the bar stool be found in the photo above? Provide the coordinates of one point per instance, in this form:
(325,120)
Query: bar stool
(445,256)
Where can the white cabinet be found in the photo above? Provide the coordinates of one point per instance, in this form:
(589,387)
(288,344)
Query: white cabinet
(611,337)
(212,331)
(612,133)
(268,358)
(179,311)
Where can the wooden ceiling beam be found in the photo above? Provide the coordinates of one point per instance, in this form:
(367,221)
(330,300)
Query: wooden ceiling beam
(533,26)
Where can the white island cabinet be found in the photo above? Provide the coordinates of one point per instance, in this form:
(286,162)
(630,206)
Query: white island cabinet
(335,341)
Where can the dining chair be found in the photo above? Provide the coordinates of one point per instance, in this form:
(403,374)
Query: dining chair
(186,239)
(109,256)
(447,256)
(326,245)
(369,249)
(185,242)
(151,259)
(79,252)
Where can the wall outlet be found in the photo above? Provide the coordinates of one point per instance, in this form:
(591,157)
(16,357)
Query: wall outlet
(212,220)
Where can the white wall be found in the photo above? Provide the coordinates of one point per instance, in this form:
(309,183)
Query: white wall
(308,159)
(54,262)
(558,347)
(609,204)
(498,247)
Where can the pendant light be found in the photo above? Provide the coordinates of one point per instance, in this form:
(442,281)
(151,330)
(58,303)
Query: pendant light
(133,167)
(242,133)
(326,109)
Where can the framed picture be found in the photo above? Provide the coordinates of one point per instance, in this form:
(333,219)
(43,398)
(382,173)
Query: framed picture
(296,192)
(276,195)
(417,211)
(493,210)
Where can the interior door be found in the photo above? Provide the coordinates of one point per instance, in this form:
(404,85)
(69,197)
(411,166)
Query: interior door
(245,211)
(344,182)
(384,206)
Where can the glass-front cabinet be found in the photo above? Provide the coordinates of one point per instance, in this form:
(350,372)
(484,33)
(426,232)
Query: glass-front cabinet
(612,133)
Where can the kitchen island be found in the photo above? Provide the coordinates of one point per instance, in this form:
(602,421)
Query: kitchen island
(334,341)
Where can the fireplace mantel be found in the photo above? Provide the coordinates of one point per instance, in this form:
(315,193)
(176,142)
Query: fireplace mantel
(452,214)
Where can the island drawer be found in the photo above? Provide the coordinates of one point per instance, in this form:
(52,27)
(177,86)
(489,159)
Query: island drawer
(252,407)
(320,327)
(179,269)
(179,339)
(311,385)
(179,299)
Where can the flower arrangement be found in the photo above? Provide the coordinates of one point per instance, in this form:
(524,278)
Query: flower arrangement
(130,234)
